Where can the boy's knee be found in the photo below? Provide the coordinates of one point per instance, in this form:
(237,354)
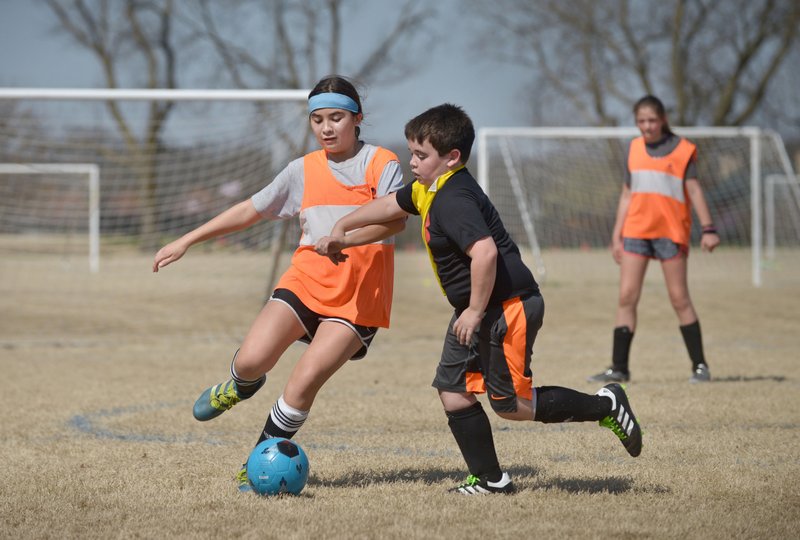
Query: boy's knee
(503,406)
(517,415)
(512,408)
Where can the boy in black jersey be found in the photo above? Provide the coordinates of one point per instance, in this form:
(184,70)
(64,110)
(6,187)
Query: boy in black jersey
(498,307)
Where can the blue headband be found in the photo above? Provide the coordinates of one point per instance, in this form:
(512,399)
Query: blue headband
(330,100)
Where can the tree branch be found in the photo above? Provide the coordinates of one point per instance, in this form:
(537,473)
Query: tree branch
(787,39)
(746,54)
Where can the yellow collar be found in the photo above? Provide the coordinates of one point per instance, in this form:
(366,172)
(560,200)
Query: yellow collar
(423,198)
(437,185)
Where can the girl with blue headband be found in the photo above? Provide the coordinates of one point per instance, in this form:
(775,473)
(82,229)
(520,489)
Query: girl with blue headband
(335,308)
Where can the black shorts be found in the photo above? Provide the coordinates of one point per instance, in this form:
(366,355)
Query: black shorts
(310,320)
(499,357)
(655,248)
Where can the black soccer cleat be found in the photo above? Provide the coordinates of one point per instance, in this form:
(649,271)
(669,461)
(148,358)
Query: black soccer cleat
(700,374)
(622,421)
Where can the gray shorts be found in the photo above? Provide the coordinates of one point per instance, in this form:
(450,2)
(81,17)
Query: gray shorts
(655,248)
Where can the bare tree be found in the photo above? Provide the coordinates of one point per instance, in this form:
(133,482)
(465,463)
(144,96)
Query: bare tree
(715,61)
(303,40)
(118,34)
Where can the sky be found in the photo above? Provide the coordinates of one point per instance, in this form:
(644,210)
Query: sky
(35,56)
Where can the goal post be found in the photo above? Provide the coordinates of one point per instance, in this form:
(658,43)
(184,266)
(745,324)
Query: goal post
(92,174)
(557,187)
(788,186)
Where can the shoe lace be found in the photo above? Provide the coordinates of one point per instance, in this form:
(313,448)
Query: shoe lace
(470,481)
(614,426)
(241,476)
(225,398)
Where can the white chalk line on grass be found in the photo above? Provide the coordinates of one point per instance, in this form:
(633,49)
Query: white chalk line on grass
(92,424)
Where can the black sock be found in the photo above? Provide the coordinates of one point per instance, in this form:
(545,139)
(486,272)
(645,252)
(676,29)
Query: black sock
(622,348)
(557,404)
(283,421)
(473,434)
(693,339)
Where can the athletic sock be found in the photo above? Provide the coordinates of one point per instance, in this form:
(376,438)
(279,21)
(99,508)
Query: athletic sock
(556,404)
(473,434)
(693,338)
(244,387)
(622,348)
(283,421)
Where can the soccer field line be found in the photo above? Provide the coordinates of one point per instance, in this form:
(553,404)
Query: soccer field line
(92,424)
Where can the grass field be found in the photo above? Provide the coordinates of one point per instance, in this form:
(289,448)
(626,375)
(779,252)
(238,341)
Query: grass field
(101,372)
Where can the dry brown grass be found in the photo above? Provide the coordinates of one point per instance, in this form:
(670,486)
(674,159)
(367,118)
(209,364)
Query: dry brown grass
(100,373)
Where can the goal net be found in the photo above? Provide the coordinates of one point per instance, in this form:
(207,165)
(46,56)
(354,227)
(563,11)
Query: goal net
(93,182)
(557,191)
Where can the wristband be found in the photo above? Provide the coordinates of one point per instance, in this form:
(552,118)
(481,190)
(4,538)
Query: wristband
(709,230)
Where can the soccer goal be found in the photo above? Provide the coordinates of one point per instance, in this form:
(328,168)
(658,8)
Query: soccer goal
(557,190)
(160,162)
(35,195)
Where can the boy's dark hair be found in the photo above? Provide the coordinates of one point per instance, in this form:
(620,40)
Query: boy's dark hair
(338,85)
(446,127)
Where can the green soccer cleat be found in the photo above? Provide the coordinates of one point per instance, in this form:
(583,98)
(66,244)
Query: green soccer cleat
(622,421)
(243,482)
(219,398)
(475,486)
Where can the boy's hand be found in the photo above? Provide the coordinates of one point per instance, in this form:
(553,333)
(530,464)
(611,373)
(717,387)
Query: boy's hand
(466,325)
(331,247)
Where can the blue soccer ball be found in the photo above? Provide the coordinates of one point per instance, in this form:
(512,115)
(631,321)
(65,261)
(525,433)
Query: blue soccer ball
(277,466)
